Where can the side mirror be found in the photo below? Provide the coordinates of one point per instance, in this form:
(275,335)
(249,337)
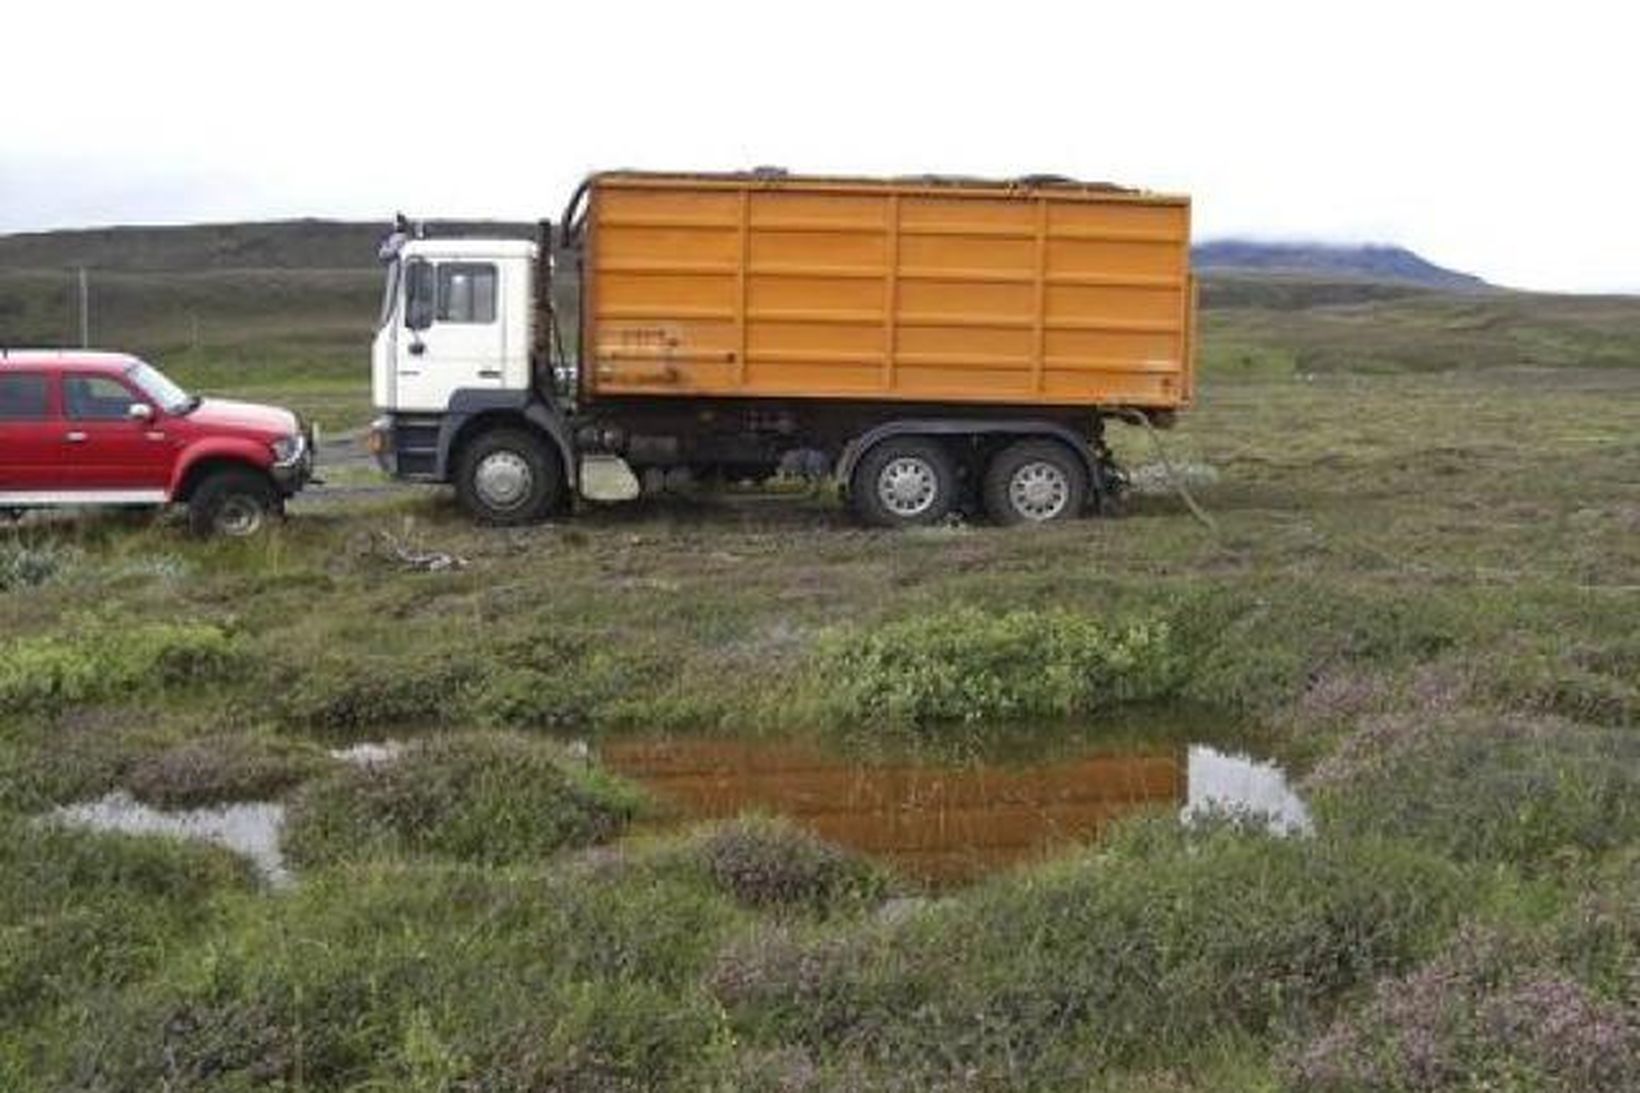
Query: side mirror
(140,411)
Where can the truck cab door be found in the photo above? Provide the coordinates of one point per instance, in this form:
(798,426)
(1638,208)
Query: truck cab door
(455,334)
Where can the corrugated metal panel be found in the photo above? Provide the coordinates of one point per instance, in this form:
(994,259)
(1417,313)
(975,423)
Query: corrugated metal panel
(827,288)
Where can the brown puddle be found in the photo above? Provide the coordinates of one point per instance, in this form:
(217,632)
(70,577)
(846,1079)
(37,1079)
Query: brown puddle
(944,824)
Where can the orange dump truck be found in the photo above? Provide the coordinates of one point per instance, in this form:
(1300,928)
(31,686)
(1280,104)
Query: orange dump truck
(934,343)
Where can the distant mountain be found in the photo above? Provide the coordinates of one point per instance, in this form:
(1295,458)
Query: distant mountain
(1372,262)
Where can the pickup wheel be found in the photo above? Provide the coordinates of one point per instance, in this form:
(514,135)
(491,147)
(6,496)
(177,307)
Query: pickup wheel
(234,504)
(509,477)
(1035,482)
(904,482)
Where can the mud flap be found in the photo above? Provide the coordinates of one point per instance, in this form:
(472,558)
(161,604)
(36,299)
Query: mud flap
(607,478)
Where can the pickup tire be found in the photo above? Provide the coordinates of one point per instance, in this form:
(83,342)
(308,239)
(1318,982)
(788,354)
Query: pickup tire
(234,504)
(1035,482)
(904,482)
(508,477)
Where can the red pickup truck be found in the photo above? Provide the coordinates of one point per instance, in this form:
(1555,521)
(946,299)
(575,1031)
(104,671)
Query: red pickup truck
(85,428)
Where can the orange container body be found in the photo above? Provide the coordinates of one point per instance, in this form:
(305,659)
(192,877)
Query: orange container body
(923,291)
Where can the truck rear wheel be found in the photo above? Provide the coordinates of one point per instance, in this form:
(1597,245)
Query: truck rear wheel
(1035,482)
(234,504)
(508,477)
(904,482)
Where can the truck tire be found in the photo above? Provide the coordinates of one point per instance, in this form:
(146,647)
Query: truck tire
(904,482)
(1035,482)
(508,477)
(233,504)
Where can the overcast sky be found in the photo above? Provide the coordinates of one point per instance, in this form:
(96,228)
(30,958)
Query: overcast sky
(1496,138)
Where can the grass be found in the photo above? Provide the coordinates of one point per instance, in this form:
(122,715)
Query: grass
(490,798)
(1421,593)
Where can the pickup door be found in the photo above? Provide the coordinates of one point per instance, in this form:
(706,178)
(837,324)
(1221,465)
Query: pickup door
(30,436)
(109,453)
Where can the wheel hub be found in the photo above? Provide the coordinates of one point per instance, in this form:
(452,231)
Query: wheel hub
(503,479)
(239,517)
(1039,491)
(907,486)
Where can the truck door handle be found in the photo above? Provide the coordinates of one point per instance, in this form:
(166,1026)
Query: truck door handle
(490,373)
(74,438)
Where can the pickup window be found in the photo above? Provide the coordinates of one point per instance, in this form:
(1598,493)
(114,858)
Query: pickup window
(22,397)
(466,292)
(96,398)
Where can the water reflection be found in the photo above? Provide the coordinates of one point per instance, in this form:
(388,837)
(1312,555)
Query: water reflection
(1220,782)
(248,829)
(947,823)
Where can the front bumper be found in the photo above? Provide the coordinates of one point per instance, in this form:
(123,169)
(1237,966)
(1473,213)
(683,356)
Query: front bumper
(290,475)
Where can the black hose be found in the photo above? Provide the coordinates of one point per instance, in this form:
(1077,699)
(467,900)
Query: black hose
(569,227)
(1173,478)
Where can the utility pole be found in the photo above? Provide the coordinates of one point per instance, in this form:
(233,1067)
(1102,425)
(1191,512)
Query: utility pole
(85,311)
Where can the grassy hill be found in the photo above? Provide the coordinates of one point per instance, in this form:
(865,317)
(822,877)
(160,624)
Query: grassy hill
(290,306)
(1291,324)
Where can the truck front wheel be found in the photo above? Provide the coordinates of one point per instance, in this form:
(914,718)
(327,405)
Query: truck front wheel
(1035,482)
(508,477)
(234,504)
(904,482)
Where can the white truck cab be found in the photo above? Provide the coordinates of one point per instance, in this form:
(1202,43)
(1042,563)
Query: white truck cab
(457,315)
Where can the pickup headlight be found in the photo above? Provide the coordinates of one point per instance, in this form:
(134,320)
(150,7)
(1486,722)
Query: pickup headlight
(287,449)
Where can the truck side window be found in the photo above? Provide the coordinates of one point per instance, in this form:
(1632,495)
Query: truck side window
(418,295)
(96,398)
(22,397)
(466,292)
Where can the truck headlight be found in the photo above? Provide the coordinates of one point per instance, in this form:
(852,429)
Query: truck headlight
(287,449)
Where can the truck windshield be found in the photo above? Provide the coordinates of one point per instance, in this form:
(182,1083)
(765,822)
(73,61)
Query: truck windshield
(158,386)
(390,298)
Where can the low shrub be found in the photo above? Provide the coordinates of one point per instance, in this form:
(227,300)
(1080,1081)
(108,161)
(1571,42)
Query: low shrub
(481,797)
(1530,791)
(341,693)
(424,978)
(223,767)
(1257,646)
(1141,953)
(563,678)
(26,566)
(1493,1011)
(80,909)
(567,696)
(103,661)
(967,666)
(769,863)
